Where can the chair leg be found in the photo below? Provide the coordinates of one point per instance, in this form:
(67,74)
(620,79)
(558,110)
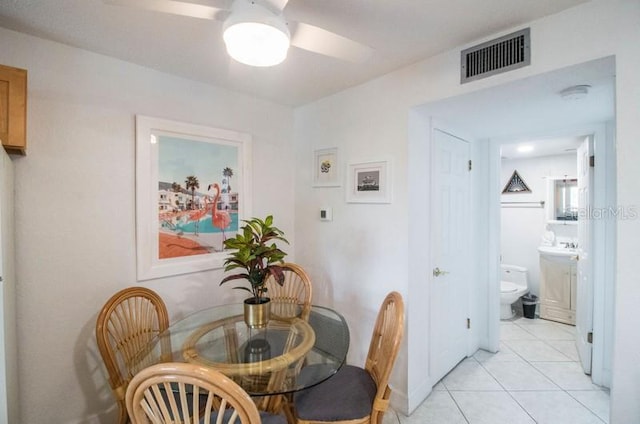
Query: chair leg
(123,417)
(289,409)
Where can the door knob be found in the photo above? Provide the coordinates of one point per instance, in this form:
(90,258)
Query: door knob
(437,272)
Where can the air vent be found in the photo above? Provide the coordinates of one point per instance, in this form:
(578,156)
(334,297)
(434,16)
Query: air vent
(503,54)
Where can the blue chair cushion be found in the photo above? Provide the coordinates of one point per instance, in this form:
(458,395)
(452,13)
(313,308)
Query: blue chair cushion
(265,417)
(268,418)
(348,395)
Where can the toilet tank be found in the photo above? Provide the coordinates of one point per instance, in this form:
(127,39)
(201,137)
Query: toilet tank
(515,274)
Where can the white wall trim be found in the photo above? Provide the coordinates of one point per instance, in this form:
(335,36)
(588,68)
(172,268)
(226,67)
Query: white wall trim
(414,399)
(419,383)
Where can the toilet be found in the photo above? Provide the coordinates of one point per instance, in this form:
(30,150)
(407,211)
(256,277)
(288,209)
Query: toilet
(513,285)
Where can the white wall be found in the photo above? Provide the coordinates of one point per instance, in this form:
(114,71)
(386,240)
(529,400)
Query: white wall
(522,228)
(357,257)
(80,171)
(75,209)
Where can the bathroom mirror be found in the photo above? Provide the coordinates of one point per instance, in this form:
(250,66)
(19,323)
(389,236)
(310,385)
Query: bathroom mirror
(562,199)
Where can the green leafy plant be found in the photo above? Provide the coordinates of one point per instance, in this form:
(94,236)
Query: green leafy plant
(255,252)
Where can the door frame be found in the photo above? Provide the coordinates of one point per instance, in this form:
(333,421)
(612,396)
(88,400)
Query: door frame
(603,239)
(421,122)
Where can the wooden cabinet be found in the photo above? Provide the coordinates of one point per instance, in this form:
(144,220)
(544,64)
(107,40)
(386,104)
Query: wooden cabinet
(13,109)
(558,289)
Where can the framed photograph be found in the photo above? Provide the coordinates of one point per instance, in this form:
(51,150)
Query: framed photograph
(369,182)
(192,190)
(325,168)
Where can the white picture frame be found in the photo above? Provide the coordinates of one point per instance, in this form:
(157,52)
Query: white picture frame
(176,232)
(326,168)
(369,182)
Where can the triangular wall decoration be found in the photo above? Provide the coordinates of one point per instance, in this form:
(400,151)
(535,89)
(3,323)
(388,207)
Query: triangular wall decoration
(516,185)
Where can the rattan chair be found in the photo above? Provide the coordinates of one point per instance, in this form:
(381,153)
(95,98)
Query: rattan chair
(188,393)
(127,323)
(357,395)
(293,298)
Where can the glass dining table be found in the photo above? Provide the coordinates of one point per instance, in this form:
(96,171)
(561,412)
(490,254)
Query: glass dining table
(288,355)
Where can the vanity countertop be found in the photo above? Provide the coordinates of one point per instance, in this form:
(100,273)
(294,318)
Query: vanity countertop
(558,251)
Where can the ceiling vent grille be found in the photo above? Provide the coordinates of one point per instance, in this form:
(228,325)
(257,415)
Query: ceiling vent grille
(496,56)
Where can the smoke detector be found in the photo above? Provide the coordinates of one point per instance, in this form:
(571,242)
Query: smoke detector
(576,92)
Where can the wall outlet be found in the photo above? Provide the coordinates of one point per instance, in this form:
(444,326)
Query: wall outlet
(326,214)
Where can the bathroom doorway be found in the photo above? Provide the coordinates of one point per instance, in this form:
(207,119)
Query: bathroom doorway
(524,216)
(595,317)
(531,108)
(545,230)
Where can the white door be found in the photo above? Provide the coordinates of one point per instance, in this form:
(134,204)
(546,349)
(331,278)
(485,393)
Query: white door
(450,245)
(584,283)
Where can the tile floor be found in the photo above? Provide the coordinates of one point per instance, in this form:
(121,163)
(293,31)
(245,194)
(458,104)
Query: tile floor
(534,378)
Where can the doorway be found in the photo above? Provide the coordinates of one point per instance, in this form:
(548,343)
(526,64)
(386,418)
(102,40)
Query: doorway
(547,232)
(529,107)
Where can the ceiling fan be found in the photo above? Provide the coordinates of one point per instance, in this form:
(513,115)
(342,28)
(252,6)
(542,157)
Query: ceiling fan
(256,32)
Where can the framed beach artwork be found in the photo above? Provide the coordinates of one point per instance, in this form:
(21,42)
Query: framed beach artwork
(192,190)
(369,182)
(325,168)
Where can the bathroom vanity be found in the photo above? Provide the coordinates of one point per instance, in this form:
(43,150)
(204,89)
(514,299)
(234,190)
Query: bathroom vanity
(558,284)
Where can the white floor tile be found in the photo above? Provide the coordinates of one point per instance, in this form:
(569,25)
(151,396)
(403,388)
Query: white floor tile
(534,378)
(555,408)
(527,321)
(491,408)
(550,332)
(567,347)
(519,376)
(567,375)
(536,350)
(570,328)
(596,401)
(514,332)
(505,354)
(439,387)
(470,375)
(438,408)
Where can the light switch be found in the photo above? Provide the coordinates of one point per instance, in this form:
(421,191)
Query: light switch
(326,214)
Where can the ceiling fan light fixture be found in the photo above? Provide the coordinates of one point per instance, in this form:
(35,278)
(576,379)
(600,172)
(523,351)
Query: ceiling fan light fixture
(255,36)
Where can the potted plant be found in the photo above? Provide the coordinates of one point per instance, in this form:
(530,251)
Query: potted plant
(255,253)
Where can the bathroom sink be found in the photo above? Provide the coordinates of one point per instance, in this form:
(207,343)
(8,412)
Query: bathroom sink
(557,251)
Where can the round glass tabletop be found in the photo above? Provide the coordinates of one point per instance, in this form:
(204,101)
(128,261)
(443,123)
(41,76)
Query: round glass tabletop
(286,356)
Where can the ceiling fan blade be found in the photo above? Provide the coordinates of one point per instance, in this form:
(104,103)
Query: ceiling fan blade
(318,40)
(174,7)
(278,5)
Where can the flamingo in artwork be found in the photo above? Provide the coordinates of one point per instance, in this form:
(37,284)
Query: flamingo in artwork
(220,219)
(197,214)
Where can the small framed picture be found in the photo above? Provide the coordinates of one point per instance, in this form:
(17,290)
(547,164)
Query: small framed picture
(369,182)
(325,168)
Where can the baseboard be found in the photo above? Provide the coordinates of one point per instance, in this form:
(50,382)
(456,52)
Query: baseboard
(404,404)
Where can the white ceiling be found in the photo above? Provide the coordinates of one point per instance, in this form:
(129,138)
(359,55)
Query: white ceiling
(532,111)
(401,32)
(542,147)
